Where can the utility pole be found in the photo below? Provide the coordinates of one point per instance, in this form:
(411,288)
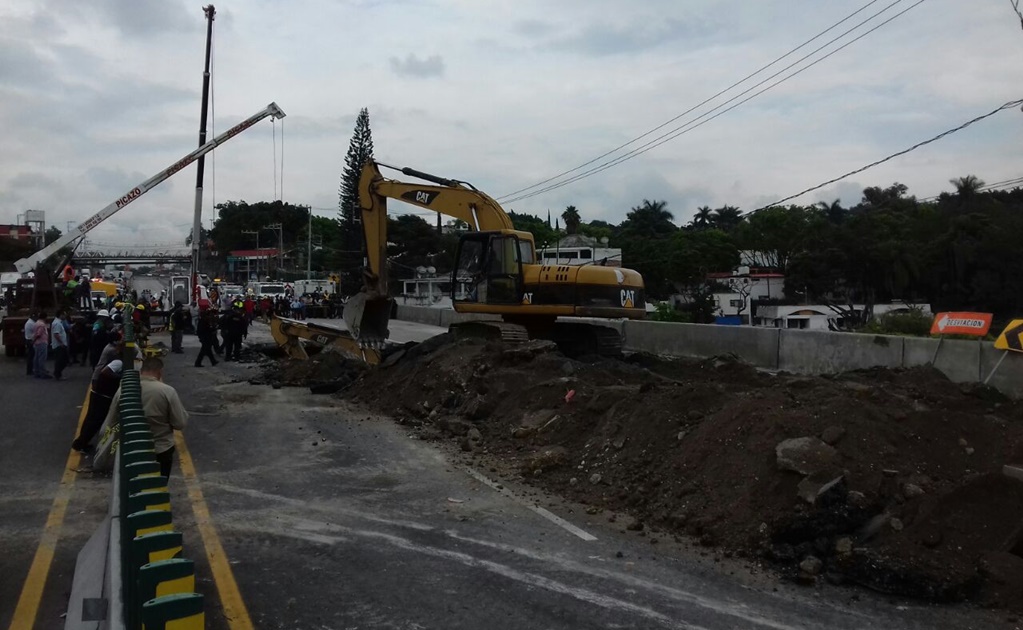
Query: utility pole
(309,256)
(201,163)
(280,244)
(256,232)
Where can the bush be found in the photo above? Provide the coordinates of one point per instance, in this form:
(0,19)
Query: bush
(913,323)
(665,312)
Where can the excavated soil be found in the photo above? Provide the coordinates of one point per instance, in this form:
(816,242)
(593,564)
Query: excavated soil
(900,485)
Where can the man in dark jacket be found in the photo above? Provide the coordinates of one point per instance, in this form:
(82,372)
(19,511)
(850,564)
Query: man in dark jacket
(206,330)
(178,323)
(235,326)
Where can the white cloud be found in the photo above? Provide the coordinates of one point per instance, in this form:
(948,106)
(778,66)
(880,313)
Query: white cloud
(413,66)
(518,91)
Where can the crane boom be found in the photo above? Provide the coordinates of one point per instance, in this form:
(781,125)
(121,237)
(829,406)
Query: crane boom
(28,264)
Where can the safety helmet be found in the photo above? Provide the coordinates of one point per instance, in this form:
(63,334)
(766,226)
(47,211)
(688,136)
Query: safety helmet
(141,307)
(119,305)
(103,313)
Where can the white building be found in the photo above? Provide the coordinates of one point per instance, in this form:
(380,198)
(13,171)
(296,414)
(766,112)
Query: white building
(744,286)
(576,249)
(822,317)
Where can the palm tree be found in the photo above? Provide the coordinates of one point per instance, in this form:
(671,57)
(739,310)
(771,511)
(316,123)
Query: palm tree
(833,211)
(967,186)
(726,218)
(572,219)
(703,219)
(651,219)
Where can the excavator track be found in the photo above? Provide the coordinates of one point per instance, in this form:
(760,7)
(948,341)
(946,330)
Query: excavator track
(491,330)
(577,340)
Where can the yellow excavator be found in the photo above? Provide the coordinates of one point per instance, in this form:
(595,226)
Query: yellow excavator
(499,265)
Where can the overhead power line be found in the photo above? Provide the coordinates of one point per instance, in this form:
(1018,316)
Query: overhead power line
(698,105)
(941,135)
(693,124)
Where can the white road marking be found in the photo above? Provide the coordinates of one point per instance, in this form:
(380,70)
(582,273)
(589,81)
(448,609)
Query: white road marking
(303,527)
(547,514)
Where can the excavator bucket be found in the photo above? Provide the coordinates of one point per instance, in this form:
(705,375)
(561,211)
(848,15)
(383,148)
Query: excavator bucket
(367,315)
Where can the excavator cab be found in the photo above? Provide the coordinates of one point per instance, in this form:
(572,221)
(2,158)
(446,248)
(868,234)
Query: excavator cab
(489,267)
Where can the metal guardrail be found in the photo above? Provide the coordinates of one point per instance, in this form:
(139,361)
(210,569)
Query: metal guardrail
(147,585)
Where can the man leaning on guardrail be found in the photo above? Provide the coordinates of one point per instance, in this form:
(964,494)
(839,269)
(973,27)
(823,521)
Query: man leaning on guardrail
(162,408)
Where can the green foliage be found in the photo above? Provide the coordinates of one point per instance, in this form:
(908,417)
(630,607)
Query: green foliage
(572,220)
(913,323)
(349,258)
(412,242)
(543,234)
(665,312)
(236,217)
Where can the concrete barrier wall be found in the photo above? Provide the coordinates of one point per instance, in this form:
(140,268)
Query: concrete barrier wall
(757,346)
(799,351)
(824,352)
(957,358)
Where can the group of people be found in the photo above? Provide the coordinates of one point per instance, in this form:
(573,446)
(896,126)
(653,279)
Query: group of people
(160,403)
(67,342)
(301,307)
(233,324)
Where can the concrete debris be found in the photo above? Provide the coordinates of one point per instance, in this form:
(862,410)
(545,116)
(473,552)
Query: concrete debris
(805,455)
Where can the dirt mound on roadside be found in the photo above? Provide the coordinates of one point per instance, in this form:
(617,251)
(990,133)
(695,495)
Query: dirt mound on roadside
(324,372)
(891,479)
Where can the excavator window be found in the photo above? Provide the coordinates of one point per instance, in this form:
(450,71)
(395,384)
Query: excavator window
(490,266)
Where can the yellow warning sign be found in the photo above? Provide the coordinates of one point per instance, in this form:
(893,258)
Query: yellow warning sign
(1010,339)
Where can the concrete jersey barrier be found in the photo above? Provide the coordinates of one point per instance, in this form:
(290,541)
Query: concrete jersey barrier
(797,351)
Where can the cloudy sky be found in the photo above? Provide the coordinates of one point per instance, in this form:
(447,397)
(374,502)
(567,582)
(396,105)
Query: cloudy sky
(97,96)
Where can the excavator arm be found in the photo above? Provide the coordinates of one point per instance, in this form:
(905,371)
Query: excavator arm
(448,197)
(368,312)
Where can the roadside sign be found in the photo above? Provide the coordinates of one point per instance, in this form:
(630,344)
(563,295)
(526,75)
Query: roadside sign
(976,324)
(1010,337)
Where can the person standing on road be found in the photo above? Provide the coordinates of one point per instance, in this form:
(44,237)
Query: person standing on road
(178,323)
(30,356)
(206,330)
(40,346)
(59,344)
(162,408)
(102,391)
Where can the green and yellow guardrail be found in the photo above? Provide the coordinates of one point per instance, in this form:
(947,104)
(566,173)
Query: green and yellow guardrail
(147,585)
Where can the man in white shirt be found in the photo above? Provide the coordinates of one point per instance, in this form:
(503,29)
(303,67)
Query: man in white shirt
(30,328)
(59,346)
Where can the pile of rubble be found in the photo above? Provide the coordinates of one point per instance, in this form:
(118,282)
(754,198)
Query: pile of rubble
(890,479)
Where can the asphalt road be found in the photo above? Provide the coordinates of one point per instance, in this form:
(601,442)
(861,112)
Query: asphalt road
(331,517)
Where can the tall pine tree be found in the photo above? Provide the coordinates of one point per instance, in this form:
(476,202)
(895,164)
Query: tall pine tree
(359,150)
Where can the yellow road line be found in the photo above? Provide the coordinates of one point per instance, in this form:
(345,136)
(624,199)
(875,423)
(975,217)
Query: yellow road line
(32,591)
(230,597)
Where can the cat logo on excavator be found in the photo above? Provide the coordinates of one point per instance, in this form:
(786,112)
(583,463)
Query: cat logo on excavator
(628,298)
(527,298)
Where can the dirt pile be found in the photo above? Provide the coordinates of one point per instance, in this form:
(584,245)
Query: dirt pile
(322,373)
(892,479)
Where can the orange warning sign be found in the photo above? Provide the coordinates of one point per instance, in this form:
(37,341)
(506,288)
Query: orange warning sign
(976,324)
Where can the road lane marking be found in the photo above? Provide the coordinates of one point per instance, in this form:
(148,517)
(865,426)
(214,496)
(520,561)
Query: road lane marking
(235,612)
(547,514)
(301,528)
(32,591)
